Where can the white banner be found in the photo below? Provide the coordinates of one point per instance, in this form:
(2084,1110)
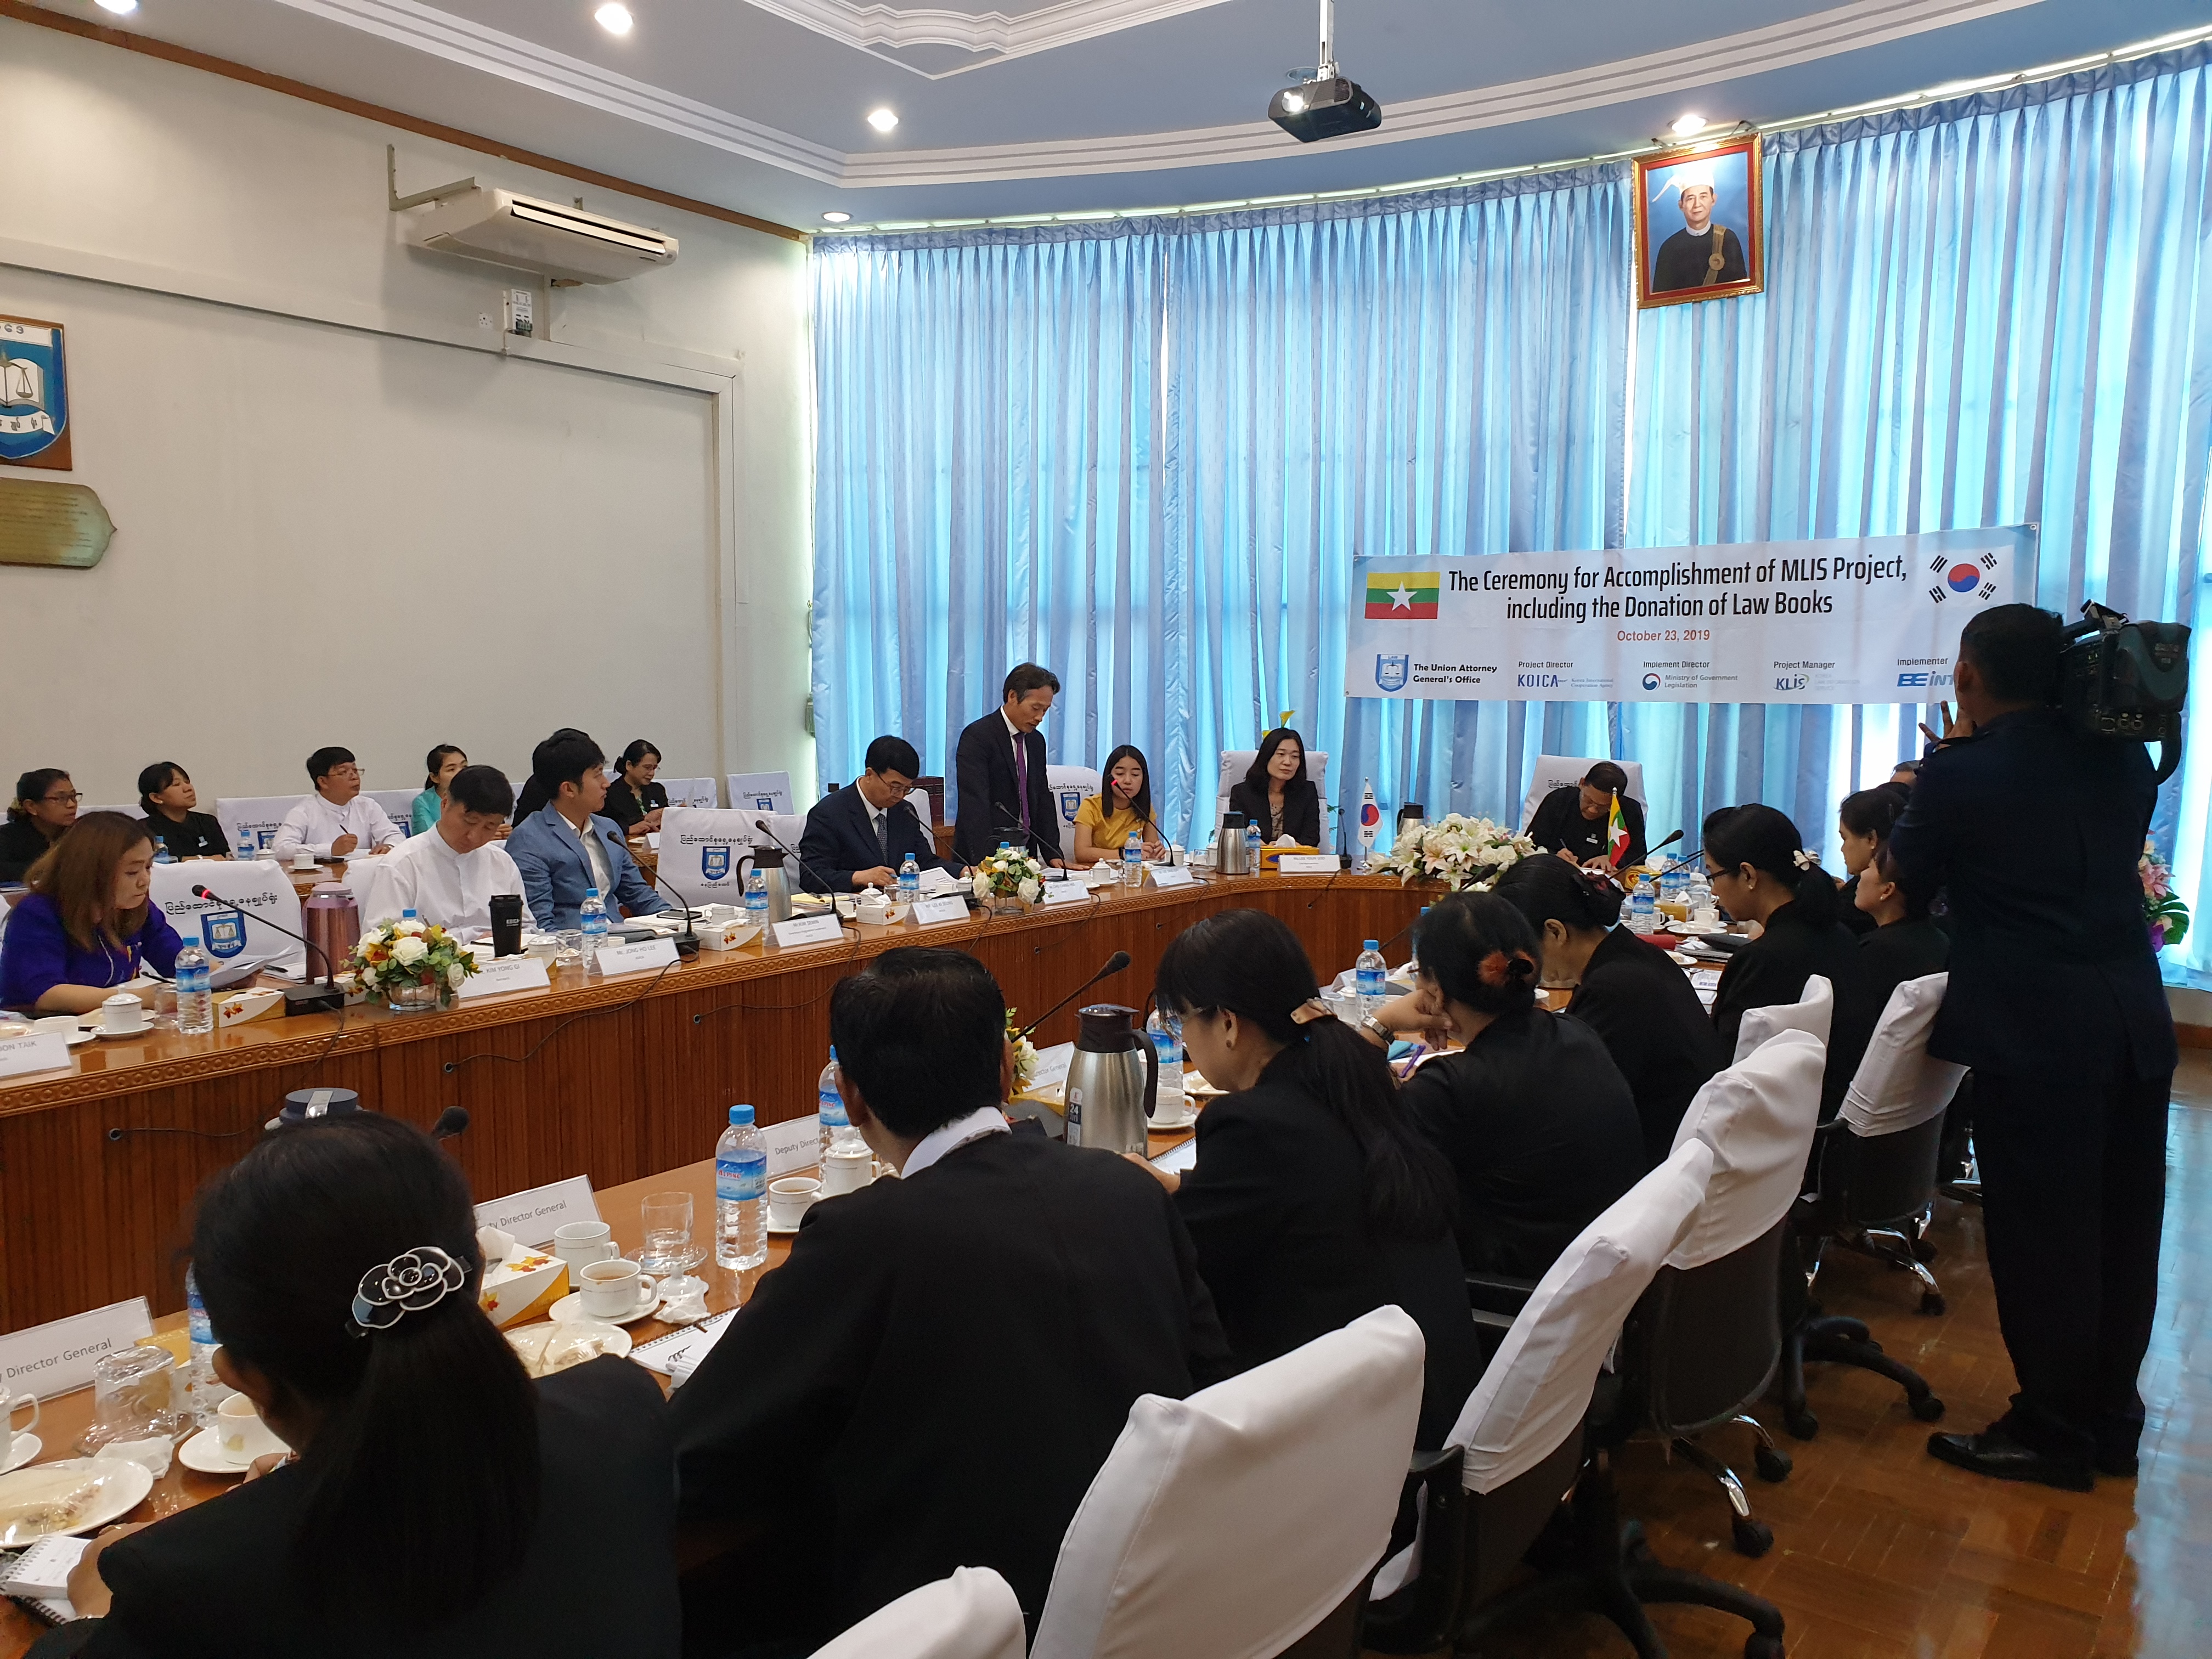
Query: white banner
(250,897)
(1870,620)
(706,854)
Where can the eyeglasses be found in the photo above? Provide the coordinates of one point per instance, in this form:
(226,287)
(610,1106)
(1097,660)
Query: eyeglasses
(344,772)
(69,799)
(900,788)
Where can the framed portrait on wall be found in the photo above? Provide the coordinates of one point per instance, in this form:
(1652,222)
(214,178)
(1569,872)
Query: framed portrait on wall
(1700,225)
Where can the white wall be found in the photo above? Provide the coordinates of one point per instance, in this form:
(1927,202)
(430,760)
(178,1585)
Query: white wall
(345,513)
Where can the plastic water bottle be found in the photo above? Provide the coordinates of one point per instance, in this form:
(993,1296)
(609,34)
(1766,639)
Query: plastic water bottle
(909,880)
(1370,977)
(408,915)
(1413,954)
(1166,1033)
(757,900)
(203,1388)
(247,851)
(1251,849)
(1643,909)
(592,917)
(162,852)
(829,1107)
(195,998)
(1133,860)
(740,1193)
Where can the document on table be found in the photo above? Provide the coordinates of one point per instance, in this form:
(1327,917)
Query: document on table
(677,1355)
(1051,1069)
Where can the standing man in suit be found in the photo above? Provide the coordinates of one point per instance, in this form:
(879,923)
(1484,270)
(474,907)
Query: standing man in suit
(858,836)
(935,1374)
(565,847)
(999,768)
(2055,1000)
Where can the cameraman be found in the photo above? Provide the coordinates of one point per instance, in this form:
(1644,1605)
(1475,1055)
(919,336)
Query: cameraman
(2055,1002)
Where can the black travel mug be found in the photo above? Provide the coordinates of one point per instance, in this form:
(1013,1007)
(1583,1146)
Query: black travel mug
(506,924)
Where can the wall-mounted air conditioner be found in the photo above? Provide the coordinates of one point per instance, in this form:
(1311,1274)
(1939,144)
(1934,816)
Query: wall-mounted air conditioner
(524,233)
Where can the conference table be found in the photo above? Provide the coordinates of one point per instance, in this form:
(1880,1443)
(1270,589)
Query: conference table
(609,1078)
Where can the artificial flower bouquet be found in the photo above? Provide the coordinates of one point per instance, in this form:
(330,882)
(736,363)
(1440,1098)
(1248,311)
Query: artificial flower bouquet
(410,957)
(1463,853)
(1008,873)
(1025,1054)
(2164,912)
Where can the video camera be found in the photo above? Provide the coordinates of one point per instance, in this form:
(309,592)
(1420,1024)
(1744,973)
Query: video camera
(2123,679)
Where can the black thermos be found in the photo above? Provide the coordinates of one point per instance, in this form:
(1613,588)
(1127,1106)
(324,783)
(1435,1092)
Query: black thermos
(506,924)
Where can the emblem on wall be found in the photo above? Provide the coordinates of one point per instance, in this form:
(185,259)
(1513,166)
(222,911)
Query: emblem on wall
(33,395)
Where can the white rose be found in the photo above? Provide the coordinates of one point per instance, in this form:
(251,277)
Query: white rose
(407,950)
(405,926)
(455,975)
(1027,889)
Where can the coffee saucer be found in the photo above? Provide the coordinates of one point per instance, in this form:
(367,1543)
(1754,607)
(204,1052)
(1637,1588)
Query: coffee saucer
(26,1449)
(775,1231)
(204,1452)
(569,1309)
(147,1030)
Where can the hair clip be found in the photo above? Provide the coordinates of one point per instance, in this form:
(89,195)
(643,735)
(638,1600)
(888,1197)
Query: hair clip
(1805,860)
(1503,968)
(411,1282)
(1311,1009)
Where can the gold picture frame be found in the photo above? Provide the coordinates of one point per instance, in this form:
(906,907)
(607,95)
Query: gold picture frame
(1719,252)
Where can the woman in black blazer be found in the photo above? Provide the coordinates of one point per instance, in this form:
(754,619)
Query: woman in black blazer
(1313,1200)
(1863,825)
(634,801)
(1629,992)
(440,1503)
(166,797)
(1276,794)
(1761,872)
(1532,1114)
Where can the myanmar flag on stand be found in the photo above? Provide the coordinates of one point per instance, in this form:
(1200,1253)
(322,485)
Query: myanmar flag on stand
(1616,833)
(1409,596)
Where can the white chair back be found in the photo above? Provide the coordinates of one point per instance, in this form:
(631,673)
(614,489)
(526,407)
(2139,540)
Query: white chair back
(1898,1086)
(1538,1386)
(1228,1524)
(691,792)
(1816,1014)
(252,896)
(706,853)
(257,815)
(973,1614)
(398,805)
(1558,771)
(1071,786)
(761,792)
(1236,763)
(1758,1118)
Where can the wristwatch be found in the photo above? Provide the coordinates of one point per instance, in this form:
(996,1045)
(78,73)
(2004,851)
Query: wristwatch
(1376,1028)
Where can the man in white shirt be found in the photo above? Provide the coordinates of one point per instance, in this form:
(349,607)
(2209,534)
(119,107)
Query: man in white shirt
(338,820)
(449,874)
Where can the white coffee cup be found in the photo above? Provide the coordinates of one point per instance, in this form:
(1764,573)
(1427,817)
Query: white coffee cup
(612,1289)
(846,1172)
(790,1197)
(242,1433)
(8,1404)
(1174,1112)
(122,1014)
(579,1244)
(303,860)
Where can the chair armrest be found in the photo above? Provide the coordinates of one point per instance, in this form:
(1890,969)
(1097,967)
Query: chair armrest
(1497,1294)
(1426,1613)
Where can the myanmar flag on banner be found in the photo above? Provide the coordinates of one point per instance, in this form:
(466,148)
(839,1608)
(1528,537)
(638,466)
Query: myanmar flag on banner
(1409,596)
(1616,833)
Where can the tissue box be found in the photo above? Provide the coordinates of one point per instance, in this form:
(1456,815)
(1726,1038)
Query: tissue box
(1271,858)
(243,1007)
(523,1286)
(725,935)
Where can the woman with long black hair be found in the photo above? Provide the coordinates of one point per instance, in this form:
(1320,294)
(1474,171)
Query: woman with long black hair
(440,1505)
(1105,821)
(1314,1200)
(1862,825)
(1277,794)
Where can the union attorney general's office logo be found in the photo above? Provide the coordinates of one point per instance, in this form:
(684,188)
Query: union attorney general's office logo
(714,863)
(1391,672)
(223,933)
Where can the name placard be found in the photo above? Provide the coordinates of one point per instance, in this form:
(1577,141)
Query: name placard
(1173,875)
(51,1360)
(1065,892)
(502,975)
(796,1145)
(939,879)
(809,930)
(1307,863)
(532,1217)
(929,912)
(41,1051)
(643,956)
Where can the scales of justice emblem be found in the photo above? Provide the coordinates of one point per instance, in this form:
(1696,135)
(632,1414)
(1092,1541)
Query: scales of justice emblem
(1390,671)
(33,394)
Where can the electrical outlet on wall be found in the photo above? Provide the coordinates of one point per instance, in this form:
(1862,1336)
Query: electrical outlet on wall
(521,310)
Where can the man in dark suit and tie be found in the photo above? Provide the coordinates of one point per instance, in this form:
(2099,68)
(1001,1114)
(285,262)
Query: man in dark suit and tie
(858,836)
(2034,829)
(999,770)
(936,1373)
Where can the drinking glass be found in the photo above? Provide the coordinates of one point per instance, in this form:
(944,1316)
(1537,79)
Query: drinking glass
(669,1253)
(134,1397)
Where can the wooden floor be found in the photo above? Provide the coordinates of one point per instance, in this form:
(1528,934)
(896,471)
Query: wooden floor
(1881,1551)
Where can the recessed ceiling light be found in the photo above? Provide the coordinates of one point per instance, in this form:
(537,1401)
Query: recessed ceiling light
(1685,125)
(883,120)
(614,18)
(834,217)
(120,8)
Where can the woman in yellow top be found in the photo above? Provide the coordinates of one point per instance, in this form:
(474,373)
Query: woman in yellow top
(1100,834)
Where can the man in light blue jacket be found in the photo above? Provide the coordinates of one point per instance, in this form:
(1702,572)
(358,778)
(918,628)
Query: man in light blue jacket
(565,847)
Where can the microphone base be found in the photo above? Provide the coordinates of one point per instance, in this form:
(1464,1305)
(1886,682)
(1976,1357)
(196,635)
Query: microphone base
(687,946)
(313,999)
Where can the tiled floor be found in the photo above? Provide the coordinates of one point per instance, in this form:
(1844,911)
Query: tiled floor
(1880,1551)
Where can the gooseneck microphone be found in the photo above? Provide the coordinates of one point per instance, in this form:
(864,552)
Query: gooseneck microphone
(329,977)
(1032,839)
(1115,964)
(308,998)
(451,1122)
(792,852)
(689,944)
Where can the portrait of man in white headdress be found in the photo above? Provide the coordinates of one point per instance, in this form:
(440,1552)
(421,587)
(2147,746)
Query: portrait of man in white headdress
(1714,197)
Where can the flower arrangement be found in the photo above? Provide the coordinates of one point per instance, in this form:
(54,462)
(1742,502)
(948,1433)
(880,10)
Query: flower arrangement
(414,963)
(1025,1054)
(1008,873)
(1462,853)
(2164,911)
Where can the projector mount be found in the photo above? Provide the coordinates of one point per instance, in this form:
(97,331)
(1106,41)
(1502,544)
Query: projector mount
(1328,105)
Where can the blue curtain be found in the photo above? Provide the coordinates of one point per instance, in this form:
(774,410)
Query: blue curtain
(1143,453)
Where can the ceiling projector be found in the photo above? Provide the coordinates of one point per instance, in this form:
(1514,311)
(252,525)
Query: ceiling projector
(1328,105)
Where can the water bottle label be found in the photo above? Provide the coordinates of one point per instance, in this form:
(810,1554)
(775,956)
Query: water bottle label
(741,1175)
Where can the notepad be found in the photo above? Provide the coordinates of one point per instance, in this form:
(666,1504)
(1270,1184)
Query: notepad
(677,1355)
(38,1579)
